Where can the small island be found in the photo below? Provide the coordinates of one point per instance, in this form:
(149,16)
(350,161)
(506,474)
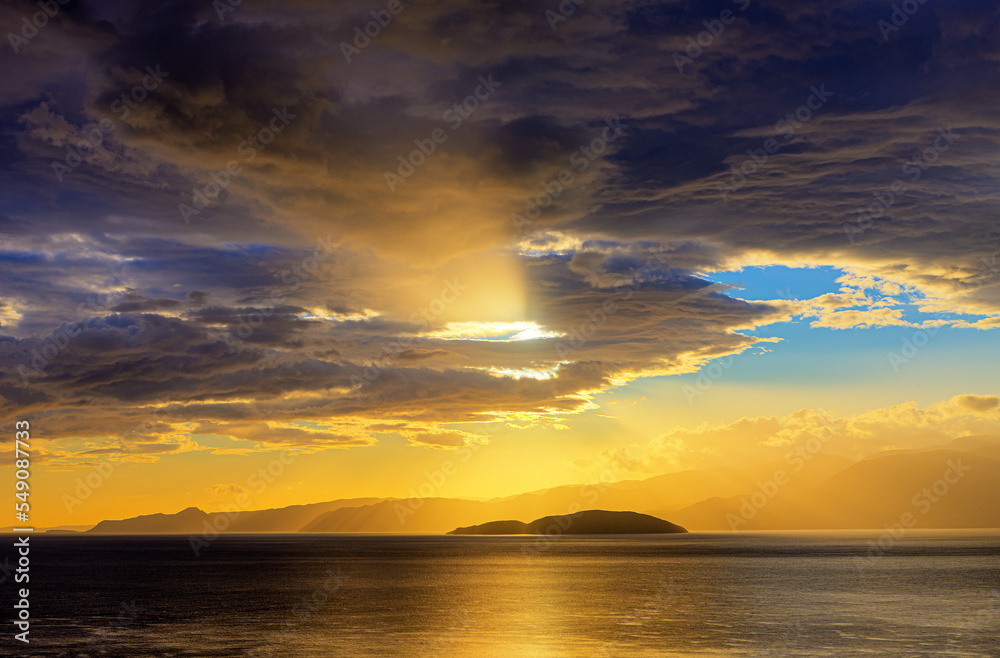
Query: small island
(589,522)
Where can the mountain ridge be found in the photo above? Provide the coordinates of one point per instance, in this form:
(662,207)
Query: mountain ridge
(826,491)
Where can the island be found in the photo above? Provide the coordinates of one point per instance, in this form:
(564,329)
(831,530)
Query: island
(588,522)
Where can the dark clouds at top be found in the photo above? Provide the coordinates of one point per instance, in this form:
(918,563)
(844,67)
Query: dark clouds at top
(154,304)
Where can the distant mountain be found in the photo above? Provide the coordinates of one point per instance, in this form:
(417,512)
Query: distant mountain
(186,521)
(60,529)
(663,493)
(672,491)
(982,444)
(936,488)
(588,522)
(409,515)
(817,492)
(193,520)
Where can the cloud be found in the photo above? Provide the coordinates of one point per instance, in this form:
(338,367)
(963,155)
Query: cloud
(227,490)
(771,438)
(980,404)
(302,303)
(440,439)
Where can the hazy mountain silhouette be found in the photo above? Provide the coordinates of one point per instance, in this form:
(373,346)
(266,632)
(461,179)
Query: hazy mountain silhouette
(192,520)
(957,486)
(412,515)
(671,491)
(189,520)
(588,522)
(824,491)
(53,529)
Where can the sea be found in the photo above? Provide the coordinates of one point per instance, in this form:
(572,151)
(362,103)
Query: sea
(933,593)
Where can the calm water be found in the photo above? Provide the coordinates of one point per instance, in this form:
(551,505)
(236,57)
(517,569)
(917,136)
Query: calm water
(691,595)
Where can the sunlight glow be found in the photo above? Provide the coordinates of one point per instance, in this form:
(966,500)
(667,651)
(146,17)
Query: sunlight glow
(522,373)
(492,331)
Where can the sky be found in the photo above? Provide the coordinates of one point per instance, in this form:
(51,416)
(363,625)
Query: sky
(577,242)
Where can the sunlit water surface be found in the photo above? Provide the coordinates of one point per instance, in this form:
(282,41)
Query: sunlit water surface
(829,594)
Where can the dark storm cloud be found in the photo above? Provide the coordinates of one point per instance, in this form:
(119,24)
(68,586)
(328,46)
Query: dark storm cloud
(193,314)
